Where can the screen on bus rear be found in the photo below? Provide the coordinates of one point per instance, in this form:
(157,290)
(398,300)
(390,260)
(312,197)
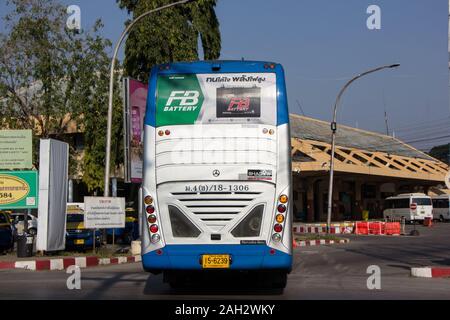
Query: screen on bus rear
(238,102)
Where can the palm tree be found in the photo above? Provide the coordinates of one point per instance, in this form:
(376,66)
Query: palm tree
(170,35)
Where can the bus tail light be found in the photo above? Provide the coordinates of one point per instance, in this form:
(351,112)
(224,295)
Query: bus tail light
(151,218)
(279,218)
(283,198)
(278,228)
(150,209)
(156,238)
(413,206)
(154,228)
(282,208)
(276,237)
(148,200)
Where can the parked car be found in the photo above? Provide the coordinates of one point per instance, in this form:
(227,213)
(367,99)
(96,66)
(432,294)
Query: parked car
(19,219)
(410,206)
(6,232)
(131,230)
(77,237)
(441,208)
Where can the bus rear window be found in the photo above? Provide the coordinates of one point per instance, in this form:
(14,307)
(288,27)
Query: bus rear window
(422,201)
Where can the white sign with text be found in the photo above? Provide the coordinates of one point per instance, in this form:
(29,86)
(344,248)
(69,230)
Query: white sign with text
(104,212)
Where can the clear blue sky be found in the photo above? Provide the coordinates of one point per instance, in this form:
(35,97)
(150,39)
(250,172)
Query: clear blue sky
(322,43)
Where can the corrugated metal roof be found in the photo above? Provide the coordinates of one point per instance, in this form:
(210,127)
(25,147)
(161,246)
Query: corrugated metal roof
(313,129)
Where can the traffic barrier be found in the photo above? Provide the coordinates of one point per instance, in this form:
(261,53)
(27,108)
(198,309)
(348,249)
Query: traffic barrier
(377,228)
(361,227)
(428,222)
(392,228)
(335,228)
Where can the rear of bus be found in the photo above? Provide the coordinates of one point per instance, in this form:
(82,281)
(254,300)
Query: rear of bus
(217,170)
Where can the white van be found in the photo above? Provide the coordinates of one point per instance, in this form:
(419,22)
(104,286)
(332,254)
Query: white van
(441,210)
(411,206)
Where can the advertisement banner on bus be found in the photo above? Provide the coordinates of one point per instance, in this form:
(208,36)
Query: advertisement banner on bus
(216,98)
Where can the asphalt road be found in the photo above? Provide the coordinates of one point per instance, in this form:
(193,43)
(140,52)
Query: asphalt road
(325,272)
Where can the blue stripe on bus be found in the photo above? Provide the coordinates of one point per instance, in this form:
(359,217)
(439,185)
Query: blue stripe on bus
(244,257)
(202,67)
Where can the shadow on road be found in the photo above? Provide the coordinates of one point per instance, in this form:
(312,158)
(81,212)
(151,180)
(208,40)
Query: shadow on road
(210,285)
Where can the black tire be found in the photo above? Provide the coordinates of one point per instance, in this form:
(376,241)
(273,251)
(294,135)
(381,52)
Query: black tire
(441,218)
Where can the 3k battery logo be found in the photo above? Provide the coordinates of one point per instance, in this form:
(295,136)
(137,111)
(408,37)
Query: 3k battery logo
(179,100)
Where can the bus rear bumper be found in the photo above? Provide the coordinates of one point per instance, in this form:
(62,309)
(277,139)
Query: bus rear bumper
(243,257)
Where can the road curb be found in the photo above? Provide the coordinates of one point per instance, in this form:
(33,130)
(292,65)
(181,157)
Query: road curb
(431,272)
(306,243)
(64,263)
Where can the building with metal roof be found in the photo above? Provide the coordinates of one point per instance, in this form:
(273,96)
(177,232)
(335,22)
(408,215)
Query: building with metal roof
(369,167)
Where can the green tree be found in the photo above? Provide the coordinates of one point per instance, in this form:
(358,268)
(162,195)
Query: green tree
(170,35)
(55,81)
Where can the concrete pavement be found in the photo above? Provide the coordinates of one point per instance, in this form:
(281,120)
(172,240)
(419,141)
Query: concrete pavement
(323,272)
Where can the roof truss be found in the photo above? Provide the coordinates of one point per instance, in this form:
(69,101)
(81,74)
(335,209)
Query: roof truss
(352,160)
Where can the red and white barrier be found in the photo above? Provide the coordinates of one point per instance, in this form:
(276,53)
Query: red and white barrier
(346,228)
(431,272)
(63,263)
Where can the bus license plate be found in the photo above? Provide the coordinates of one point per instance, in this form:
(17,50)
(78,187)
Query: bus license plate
(219,261)
(79,241)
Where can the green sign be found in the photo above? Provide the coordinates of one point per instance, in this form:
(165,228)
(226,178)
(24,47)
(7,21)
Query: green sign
(16,149)
(179,99)
(19,189)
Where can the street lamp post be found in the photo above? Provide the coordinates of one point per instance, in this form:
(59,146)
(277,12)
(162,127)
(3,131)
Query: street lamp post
(333,135)
(111,85)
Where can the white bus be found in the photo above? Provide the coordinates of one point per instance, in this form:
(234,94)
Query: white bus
(217,171)
(410,206)
(441,209)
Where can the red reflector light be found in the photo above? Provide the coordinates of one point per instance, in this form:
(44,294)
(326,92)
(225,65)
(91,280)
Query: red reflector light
(281,208)
(278,228)
(154,228)
(150,209)
(167,132)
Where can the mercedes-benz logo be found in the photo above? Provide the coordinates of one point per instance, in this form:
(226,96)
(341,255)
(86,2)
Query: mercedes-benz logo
(216,173)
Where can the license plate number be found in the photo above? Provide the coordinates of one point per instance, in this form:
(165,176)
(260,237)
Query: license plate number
(79,241)
(219,261)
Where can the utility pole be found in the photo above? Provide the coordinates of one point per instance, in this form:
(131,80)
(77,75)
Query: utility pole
(333,136)
(111,85)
